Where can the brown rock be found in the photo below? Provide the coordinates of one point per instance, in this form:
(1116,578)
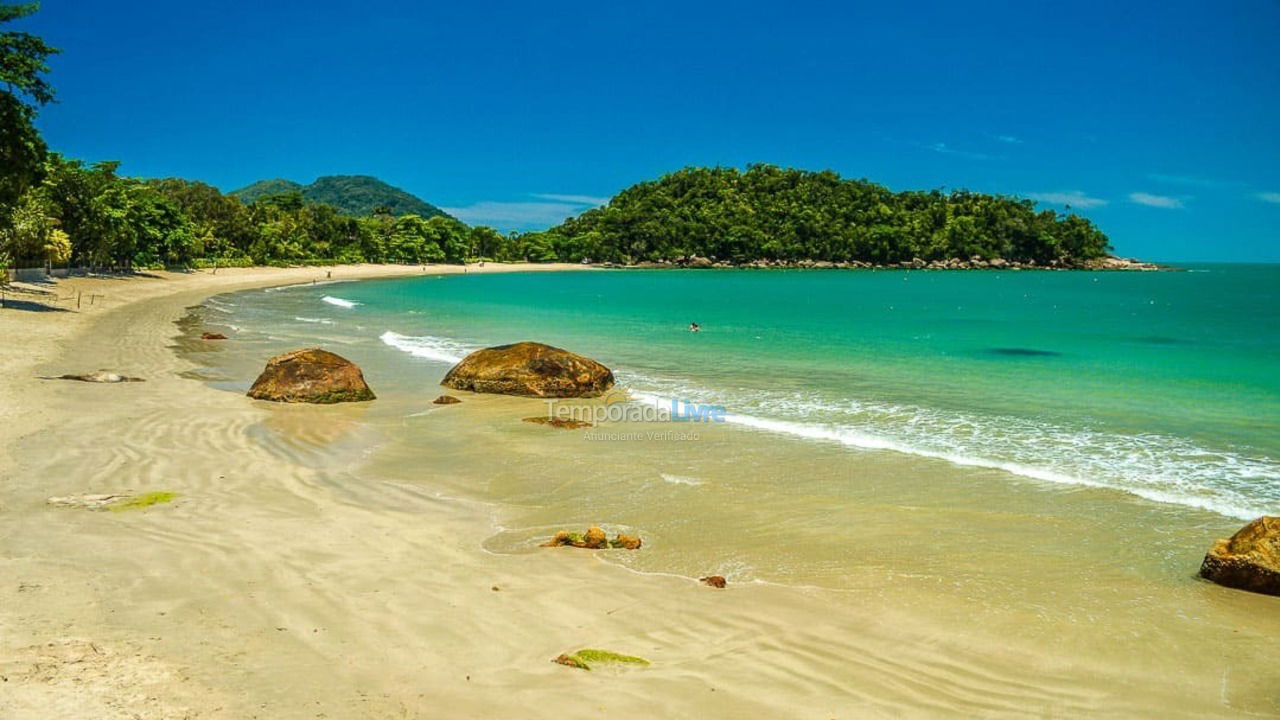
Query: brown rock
(311,376)
(212,336)
(626,542)
(1249,560)
(562,423)
(529,369)
(446,400)
(571,661)
(715,581)
(595,538)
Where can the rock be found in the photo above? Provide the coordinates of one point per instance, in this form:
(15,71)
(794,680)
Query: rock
(626,542)
(571,661)
(594,539)
(529,369)
(446,400)
(101,376)
(562,423)
(212,336)
(1249,560)
(998,262)
(700,263)
(311,376)
(715,581)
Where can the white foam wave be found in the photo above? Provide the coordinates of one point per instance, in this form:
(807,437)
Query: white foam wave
(339,302)
(680,479)
(427,346)
(320,321)
(1155,467)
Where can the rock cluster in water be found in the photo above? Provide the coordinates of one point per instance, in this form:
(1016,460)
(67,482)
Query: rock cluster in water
(311,376)
(529,369)
(1248,560)
(594,539)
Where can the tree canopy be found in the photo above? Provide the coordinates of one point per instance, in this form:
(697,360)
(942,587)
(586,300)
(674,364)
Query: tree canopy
(766,212)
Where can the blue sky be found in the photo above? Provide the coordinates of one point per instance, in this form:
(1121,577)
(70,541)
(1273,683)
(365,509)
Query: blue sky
(1157,120)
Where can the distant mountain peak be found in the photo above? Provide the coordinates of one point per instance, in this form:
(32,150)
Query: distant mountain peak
(357,195)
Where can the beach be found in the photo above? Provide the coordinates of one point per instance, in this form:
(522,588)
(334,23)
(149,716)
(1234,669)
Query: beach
(367,560)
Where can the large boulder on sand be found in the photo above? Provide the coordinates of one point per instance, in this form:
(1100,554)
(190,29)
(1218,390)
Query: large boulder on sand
(1249,560)
(311,376)
(530,369)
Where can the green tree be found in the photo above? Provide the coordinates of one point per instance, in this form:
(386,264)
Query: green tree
(23,63)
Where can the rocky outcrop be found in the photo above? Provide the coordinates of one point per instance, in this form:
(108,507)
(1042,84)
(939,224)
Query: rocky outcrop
(446,400)
(311,376)
(212,336)
(594,539)
(1248,560)
(529,369)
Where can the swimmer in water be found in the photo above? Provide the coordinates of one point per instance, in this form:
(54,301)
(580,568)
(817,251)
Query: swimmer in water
(693,327)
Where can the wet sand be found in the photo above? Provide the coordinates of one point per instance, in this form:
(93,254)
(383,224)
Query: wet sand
(295,578)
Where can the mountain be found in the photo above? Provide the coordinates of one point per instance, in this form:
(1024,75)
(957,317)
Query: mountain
(352,194)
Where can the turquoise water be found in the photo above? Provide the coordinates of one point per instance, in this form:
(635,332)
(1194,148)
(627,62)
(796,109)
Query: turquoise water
(1162,385)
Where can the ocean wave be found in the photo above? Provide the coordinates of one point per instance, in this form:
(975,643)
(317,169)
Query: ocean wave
(339,302)
(427,346)
(1159,468)
(321,321)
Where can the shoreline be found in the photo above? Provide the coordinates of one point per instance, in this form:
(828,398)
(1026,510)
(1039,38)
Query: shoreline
(282,589)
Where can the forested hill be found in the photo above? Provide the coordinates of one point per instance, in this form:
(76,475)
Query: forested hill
(355,195)
(770,213)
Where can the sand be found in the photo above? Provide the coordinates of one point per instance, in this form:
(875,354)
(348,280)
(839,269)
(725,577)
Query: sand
(267,591)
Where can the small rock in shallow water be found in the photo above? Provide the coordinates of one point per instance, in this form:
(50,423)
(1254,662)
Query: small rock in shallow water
(212,336)
(562,423)
(446,400)
(101,376)
(715,581)
(626,542)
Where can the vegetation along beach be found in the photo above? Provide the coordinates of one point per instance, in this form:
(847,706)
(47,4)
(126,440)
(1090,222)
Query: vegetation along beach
(336,391)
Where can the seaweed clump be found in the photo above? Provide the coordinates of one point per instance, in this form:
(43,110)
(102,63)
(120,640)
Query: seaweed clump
(585,658)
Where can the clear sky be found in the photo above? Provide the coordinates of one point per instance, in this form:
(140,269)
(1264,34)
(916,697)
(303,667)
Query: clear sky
(1158,120)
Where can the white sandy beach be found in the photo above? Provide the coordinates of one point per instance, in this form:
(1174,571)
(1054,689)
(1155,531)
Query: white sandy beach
(266,592)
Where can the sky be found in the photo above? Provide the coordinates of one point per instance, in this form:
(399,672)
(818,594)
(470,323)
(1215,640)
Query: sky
(1157,120)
